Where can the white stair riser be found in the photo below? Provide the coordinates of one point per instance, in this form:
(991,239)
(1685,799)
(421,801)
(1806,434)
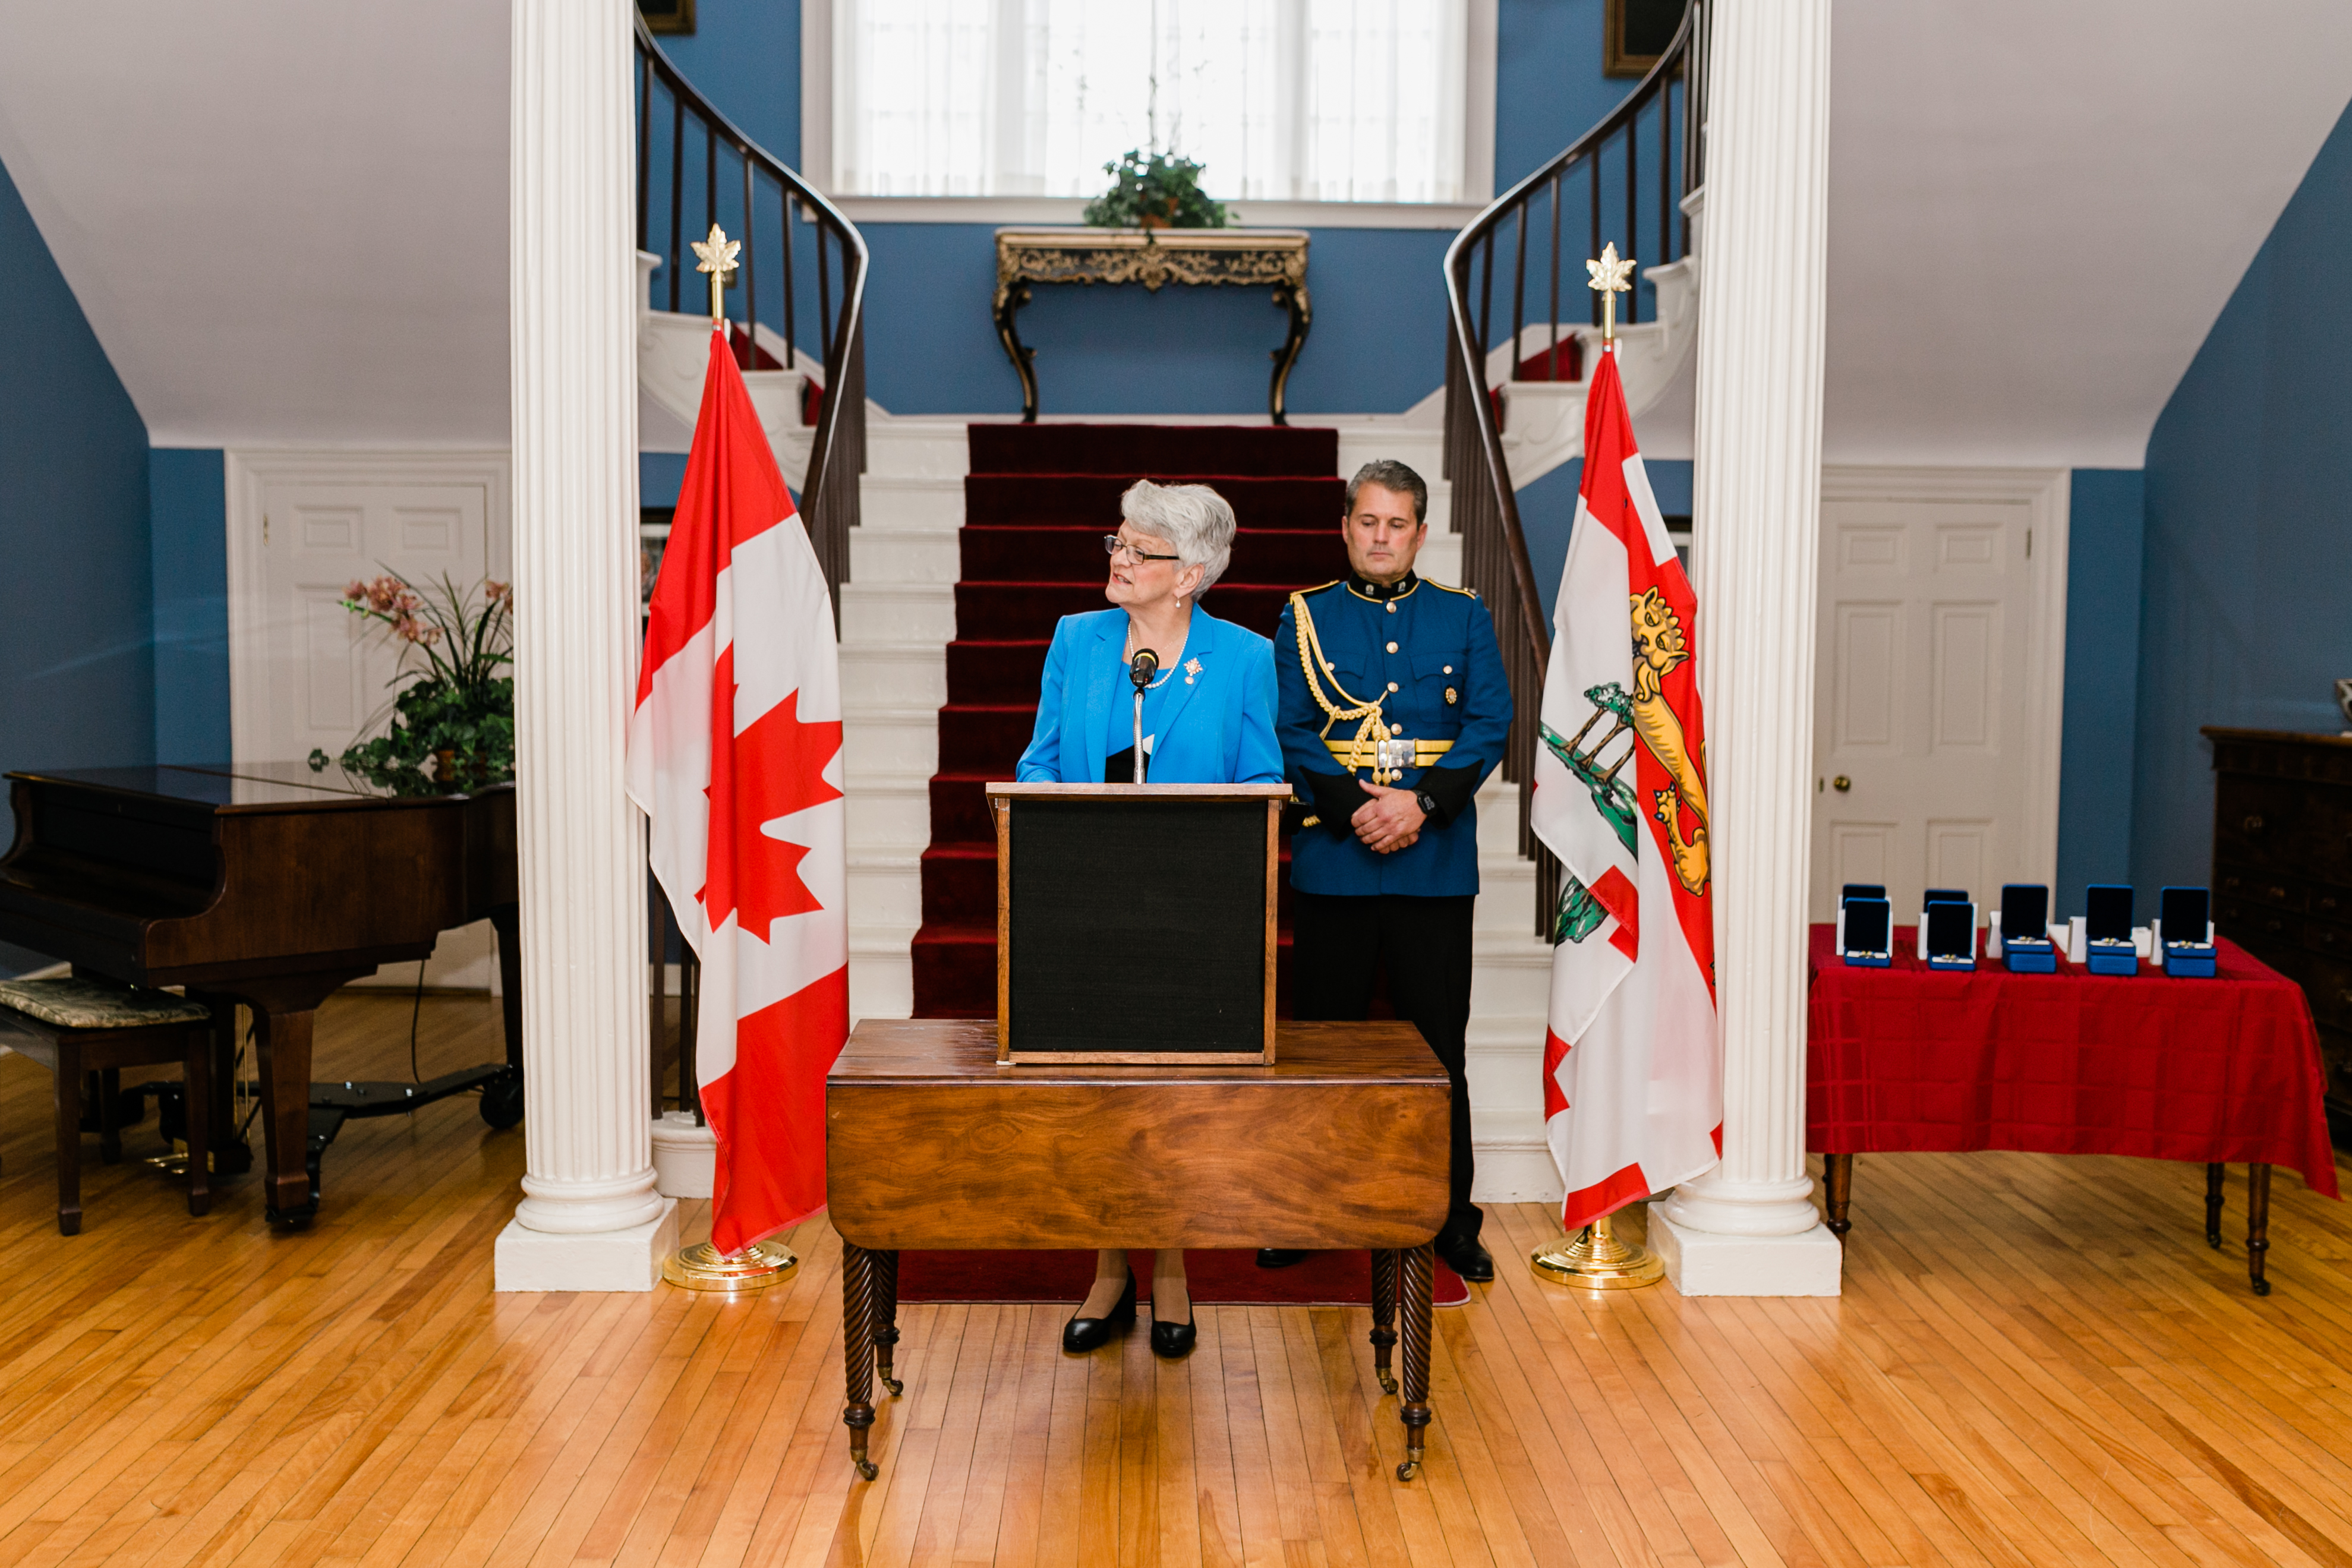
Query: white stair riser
(907,555)
(897,749)
(883,891)
(891,677)
(881,984)
(910,449)
(895,817)
(898,613)
(894,505)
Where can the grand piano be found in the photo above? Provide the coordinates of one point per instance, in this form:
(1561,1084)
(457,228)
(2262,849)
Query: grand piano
(270,885)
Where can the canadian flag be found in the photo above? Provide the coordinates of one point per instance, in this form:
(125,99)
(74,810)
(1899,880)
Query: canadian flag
(735,757)
(1632,1069)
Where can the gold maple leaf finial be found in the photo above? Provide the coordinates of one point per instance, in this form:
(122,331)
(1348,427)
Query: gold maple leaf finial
(1611,277)
(717,257)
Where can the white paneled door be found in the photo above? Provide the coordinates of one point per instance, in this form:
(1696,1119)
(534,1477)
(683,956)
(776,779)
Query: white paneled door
(306,674)
(1936,682)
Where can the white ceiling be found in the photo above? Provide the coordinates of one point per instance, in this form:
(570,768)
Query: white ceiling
(2038,208)
(287,219)
(284,219)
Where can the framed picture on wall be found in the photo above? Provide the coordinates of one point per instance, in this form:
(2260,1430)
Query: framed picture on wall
(667,16)
(1634,33)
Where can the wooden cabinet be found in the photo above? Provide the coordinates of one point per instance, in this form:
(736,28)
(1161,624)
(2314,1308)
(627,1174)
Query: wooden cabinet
(2283,876)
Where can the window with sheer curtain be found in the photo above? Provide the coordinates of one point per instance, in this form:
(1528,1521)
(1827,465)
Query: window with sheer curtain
(1321,101)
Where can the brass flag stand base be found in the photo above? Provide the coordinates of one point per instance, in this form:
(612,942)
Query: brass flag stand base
(702,1268)
(1596,1260)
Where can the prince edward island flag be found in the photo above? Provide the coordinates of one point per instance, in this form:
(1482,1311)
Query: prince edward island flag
(1632,1070)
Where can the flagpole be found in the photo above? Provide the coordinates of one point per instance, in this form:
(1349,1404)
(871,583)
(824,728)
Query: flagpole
(701,1266)
(1594,1259)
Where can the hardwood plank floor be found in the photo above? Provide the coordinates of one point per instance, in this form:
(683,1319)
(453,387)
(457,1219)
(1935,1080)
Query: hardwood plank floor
(2036,1361)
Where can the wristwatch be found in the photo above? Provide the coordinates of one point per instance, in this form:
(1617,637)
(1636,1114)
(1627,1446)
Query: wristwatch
(1426,801)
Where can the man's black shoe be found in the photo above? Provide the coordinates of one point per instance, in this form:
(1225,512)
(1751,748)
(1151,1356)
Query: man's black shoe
(1279,1256)
(1463,1254)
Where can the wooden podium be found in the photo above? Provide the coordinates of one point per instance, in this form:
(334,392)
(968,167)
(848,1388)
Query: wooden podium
(1135,922)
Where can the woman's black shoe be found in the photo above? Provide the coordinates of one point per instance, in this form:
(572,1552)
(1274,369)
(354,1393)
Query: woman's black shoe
(1173,1342)
(1080,1335)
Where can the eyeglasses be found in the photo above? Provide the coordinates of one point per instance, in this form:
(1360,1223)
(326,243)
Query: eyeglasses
(1113,544)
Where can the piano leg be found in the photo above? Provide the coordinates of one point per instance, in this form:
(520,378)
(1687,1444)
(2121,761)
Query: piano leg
(68,1097)
(285,1116)
(231,1155)
(507,921)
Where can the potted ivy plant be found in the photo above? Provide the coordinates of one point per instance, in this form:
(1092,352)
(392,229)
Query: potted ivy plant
(1156,191)
(453,716)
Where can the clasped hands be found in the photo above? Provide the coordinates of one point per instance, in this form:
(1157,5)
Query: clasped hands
(1390,821)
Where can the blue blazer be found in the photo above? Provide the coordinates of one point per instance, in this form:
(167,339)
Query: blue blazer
(1217,729)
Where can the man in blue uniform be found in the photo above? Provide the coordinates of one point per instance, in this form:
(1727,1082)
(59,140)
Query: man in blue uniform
(1393,708)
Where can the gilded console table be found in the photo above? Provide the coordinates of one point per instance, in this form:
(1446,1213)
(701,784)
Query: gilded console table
(1275,258)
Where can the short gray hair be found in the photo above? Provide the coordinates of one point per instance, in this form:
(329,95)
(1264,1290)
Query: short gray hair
(1391,475)
(1192,519)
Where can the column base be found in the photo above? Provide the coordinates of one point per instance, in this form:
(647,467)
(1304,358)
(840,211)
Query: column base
(686,1157)
(631,1260)
(1705,1263)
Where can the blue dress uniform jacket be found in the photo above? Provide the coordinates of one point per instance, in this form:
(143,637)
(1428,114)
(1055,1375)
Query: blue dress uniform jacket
(1427,653)
(1216,726)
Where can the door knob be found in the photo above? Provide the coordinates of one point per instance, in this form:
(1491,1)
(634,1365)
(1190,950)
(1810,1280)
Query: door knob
(1841,783)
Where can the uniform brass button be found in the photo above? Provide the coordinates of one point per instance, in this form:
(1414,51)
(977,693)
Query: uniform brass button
(1392,606)
(1396,729)
(1392,686)
(1449,669)
(1393,647)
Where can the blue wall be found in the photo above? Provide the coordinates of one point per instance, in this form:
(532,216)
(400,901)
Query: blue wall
(2095,749)
(77,674)
(187,497)
(1377,344)
(2247,612)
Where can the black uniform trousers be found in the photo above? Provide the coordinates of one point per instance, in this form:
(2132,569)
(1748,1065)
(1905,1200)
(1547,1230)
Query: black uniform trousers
(1340,945)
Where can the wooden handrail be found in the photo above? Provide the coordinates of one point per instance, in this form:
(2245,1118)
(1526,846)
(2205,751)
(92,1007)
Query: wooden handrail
(1486,510)
(829,491)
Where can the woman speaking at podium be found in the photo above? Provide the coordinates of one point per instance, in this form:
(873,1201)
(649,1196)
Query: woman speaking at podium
(1208,705)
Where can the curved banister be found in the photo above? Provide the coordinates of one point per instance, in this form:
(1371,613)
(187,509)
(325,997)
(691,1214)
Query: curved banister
(829,491)
(1485,507)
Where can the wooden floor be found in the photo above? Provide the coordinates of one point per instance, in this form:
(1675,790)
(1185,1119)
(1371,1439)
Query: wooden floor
(2035,1361)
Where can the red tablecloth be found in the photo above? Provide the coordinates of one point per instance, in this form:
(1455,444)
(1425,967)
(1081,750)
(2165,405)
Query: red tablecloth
(1908,1058)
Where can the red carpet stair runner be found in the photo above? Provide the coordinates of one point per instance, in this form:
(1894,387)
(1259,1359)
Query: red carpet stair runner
(1036,503)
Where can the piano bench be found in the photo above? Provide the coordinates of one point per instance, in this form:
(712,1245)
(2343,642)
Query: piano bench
(81,1025)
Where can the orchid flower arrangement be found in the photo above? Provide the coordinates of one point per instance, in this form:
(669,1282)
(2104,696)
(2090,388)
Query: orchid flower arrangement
(456,709)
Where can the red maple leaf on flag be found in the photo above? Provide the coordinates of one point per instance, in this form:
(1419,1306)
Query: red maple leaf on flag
(769,772)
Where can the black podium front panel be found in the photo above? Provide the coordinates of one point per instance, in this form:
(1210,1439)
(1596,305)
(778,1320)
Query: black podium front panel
(1137,923)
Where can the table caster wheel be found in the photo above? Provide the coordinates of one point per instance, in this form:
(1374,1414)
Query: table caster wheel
(1388,1383)
(2262,1287)
(867,1469)
(1408,1470)
(895,1386)
(2213,1239)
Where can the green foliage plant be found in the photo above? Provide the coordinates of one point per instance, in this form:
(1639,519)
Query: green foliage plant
(453,716)
(1156,191)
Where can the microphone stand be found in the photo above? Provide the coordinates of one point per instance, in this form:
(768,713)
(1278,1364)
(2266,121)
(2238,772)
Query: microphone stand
(1140,670)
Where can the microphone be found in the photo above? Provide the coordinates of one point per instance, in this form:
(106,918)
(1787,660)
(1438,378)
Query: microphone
(1142,668)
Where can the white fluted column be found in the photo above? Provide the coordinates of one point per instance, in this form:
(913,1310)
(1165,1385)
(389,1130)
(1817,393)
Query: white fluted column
(590,1219)
(1749,1227)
